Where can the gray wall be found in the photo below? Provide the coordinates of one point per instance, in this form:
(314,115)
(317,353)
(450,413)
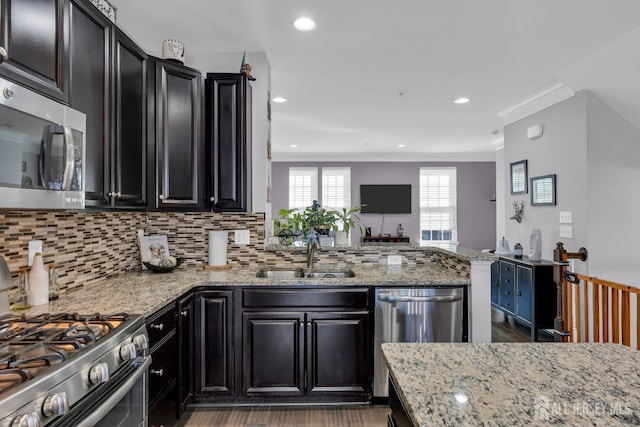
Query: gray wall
(595,154)
(476,185)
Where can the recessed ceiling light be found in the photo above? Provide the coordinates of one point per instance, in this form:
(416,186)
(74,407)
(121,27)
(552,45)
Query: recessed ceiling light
(401,145)
(462,100)
(293,146)
(279,99)
(304,24)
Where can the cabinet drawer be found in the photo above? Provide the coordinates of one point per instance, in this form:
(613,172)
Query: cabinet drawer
(160,324)
(306,298)
(164,367)
(507,274)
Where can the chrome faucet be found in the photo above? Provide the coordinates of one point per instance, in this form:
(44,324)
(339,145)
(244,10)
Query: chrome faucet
(311,249)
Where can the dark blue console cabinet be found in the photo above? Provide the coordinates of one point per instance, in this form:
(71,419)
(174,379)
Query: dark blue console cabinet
(525,290)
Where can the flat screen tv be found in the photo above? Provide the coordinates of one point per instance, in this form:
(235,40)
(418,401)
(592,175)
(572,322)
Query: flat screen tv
(386,198)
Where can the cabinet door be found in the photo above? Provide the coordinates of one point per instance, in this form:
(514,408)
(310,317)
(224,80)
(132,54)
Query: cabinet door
(178,136)
(35,41)
(273,347)
(89,92)
(130,130)
(228,141)
(507,285)
(214,356)
(186,348)
(338,354)
(524,301)
(495,284)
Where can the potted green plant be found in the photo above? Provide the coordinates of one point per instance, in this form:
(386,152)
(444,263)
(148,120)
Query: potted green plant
(322,220)
(349,220)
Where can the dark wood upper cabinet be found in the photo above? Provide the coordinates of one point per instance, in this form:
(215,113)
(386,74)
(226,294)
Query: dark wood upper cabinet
(178,138)
(89,92)
(34,41)
(228,142)
(129,168)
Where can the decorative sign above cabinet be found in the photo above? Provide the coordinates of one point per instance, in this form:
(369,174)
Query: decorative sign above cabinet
(106,9)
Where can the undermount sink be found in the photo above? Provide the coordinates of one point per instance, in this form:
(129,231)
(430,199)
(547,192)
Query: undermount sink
(329,274)
(280,273)
(296,273)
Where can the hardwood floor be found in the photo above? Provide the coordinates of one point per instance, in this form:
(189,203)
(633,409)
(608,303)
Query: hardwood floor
(278,416)
(503,329)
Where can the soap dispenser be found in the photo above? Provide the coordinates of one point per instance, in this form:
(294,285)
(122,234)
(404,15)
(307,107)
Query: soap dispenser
(535,244)
(38,282)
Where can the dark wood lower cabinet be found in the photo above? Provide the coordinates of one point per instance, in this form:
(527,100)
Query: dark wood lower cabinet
(186,347)
(318,354)
(215,355)
(337,354)
(273,354)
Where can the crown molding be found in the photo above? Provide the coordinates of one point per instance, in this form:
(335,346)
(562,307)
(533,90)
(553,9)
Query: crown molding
(489,156)
(498,144)
(537,102)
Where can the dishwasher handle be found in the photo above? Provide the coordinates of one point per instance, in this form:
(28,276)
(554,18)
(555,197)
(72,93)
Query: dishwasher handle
(407,298)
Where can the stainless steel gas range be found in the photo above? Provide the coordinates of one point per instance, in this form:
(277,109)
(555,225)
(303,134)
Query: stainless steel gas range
(73,370)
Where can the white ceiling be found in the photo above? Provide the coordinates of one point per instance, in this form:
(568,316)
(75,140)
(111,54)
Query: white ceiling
(375,74)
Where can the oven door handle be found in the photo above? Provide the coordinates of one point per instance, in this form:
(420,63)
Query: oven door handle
(100,412)
(445,298)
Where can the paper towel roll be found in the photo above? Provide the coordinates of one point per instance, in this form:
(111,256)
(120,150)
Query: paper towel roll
(218,248)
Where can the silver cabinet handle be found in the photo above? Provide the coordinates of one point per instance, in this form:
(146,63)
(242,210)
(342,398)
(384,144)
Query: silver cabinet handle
(302,324)
(158,327)
(447,298)
(118,194)
(212,199)
(184,313)
(158,372)
(161,197)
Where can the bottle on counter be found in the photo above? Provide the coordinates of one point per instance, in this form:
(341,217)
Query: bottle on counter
(38,282)
(23,286)
(54,289)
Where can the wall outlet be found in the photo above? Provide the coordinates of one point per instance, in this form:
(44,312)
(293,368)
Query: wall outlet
(241,237)
(394,259)
(566,231)
(34,246)
(566,217)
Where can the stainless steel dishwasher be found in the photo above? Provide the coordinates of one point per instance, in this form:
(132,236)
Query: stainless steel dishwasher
(416,315)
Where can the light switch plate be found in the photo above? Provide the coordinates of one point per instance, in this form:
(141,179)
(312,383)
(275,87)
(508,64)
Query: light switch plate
(34,246)
(394,259)
(566,217)
(241,237)
(566,231)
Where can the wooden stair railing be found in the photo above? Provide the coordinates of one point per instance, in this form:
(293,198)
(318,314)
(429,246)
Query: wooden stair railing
(608,316)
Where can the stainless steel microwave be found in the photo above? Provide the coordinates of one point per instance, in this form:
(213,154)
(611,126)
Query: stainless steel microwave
(42,151)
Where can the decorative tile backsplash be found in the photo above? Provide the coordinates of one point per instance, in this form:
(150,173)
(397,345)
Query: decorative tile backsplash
(90,246)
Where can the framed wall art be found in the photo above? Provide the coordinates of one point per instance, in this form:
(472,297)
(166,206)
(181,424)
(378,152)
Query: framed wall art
(519,177)
(543,190)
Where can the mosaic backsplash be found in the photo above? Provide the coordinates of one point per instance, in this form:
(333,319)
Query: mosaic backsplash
(90,246)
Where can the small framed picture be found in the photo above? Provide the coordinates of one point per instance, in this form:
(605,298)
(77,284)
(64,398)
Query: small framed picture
(519,177)
(543,190)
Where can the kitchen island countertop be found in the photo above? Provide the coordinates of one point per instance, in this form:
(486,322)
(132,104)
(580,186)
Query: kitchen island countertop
(146,292)
(500,384)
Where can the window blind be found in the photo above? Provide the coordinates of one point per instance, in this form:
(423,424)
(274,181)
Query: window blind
(303,187)
(336,188)
(438,201)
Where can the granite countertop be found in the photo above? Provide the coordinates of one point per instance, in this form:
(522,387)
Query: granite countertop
(146,292)
(500,384)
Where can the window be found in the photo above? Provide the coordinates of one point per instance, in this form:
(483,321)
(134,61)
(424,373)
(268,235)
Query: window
(303,187)
(336,188)
(437,205)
